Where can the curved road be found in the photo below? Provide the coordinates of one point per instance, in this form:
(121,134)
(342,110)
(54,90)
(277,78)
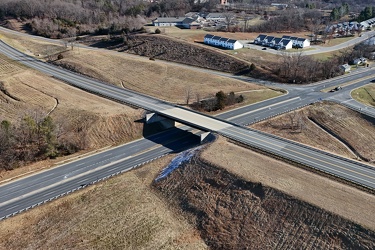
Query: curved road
(316,49)
(19,194)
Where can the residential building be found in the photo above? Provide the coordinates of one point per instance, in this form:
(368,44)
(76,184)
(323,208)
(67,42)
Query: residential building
(259,39)
(280,5)
(222,42)
(267,40)
(345,68)
(275,42)
(215,17)
(183,22)
(302,43)
(355,61)
(294,40)
(286,44)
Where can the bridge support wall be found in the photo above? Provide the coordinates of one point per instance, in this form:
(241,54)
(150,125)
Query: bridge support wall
(164,122)
(205,137)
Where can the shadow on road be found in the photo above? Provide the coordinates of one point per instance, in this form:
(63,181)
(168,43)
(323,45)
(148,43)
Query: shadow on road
(173,138)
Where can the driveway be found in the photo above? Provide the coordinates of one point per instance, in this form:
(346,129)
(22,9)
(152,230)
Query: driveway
(316,49)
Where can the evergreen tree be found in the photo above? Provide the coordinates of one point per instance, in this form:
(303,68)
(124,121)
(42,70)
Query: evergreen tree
(335,14)
(221,100)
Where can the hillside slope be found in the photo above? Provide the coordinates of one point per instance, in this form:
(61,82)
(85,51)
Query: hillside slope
(233,213)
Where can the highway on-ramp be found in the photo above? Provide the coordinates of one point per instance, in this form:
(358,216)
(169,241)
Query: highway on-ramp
(302,95)
(25,197)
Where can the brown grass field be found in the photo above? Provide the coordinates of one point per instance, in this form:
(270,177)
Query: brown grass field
(348,127)
(365,95)
(125,212)
(330,195)
(28,92)
(250,55)
(162,80)
(120,213)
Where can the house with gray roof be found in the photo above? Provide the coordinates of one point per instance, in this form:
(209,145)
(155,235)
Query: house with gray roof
(345,68)
(294,40)
(184,22)
(286,44)
(267,40)
(215,17)
(275,42)
(302,43)
(223,42)
(259,39)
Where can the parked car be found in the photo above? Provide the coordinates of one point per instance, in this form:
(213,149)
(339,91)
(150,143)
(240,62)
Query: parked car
(264,49)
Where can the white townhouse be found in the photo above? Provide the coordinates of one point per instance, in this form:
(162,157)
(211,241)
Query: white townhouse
(275,42)
(285,44)
(216,40)
(222,42)
(302,43)
(234,44)
(294,40)
(267,40)
(259,39)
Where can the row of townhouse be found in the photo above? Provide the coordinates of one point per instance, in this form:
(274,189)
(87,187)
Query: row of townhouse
(368,24)
(351,26)
(344,27)
(222,42)
(298,42)
(285,42)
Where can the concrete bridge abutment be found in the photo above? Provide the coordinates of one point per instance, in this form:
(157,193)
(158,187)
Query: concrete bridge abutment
(165,123)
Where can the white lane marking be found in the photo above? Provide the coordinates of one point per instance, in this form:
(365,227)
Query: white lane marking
(266,107)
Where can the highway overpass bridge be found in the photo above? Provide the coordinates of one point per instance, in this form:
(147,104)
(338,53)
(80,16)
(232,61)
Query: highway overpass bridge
(347,169)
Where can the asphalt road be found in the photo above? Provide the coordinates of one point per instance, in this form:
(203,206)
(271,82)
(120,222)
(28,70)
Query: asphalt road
(28,192)
(302,95)
(316,49)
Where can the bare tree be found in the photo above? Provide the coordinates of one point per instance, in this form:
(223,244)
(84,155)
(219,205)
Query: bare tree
(188,94)
(229,19)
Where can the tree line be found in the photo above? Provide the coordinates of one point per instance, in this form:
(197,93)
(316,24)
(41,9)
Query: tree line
(37,137)
(298,68)
(367,13)
(218,102)
(291,20)
(68,18)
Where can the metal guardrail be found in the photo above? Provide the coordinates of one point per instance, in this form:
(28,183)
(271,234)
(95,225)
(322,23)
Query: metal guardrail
(80,187)
(359,110)
(298,162)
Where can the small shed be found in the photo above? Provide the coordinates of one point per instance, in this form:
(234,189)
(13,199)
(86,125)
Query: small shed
(345,68)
